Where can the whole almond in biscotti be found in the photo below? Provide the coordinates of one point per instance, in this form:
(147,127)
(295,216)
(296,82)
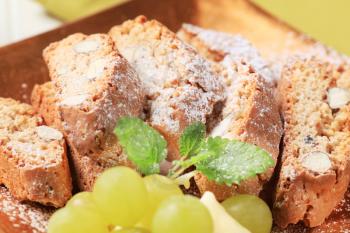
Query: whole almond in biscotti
(33,159)
(86,166)
(182,87)
(250,113)
(315,170)
(95,86)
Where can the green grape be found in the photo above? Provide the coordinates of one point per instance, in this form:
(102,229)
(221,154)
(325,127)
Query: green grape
(76,219)
(250,211)
(182,214)
(121,196)
(84,199)
(159,188)
(130,230)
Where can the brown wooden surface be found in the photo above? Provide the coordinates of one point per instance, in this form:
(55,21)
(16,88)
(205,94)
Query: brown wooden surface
(21,65)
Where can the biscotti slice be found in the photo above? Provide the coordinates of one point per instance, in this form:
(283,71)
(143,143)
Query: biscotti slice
(250,113)
(315,168)
(95,86)
(87,167)
(33,162)
(216,45)
(337,222)
(16,216)
(182,87)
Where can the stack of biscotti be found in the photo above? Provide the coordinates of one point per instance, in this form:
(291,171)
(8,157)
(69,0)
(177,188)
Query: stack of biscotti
(92,87)
(181,86)
(250,113)
(86,168)
(33,162)
(315,170)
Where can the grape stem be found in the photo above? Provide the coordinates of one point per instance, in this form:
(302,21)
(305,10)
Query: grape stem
(185,179)
(184,163)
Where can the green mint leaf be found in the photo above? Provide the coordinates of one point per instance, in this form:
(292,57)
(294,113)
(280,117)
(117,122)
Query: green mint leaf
(144,146)
(191,139)
(231,161)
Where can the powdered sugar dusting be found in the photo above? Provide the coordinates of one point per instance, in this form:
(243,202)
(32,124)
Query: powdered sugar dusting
(96,88)
(317,50)
(182,86)
(20,140)
(249,82)
(243,86)
(337,222)
(26,218)
(234,46)
(175,104)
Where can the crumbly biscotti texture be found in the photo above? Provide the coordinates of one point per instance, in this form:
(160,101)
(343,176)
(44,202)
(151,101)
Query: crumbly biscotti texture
(87,167)
(216,45)
(33,159)
(95,86)
(315,168)
(182,87)
(250,113)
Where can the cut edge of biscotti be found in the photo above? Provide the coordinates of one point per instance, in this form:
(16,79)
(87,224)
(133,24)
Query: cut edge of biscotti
(94,87)
(216,45)
(182,87)
(250,113)
(315,170)
(33,162)
(86,167)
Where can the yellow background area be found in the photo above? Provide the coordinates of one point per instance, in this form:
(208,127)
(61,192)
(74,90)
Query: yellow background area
(325,20)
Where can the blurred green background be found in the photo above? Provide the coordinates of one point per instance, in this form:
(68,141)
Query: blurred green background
(326,20)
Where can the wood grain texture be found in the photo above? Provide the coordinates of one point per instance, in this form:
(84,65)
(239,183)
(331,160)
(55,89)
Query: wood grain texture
(21,64)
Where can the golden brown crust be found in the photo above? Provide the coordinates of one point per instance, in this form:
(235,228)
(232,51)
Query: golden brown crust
(43,100)
(250,113)
(94,85)
(49,186)
(87,167)
(33,167)
(252,128)
(182,87)
(309,192)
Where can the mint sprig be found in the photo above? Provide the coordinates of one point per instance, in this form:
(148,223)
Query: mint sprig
(222,160)
(191,139)
(144,146)
(231,161)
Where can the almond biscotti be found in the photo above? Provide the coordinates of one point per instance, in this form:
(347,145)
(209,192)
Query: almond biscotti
(87,167)
(216,45)
(250,113)
(95,86)
(33,162)
(315,169)
(182,87)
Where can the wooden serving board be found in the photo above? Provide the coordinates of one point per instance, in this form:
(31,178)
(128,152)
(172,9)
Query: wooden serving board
(21,64)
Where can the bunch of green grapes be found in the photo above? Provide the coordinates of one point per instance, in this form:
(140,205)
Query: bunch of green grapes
(124,202)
